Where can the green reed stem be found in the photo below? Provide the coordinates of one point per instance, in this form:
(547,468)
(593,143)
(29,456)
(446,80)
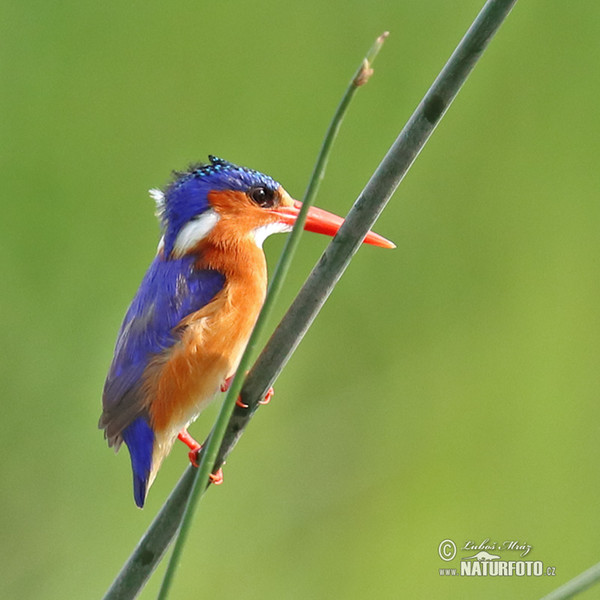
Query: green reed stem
(576,585)
(210,451)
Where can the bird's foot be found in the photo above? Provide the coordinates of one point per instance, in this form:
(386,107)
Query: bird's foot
(265,400)
(268,396)
(227,384)
(195,447)
(190,442)
(216,478)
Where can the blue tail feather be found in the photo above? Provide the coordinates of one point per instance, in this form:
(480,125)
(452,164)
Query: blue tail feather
(139,438)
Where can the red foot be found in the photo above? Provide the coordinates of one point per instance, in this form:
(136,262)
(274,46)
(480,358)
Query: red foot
(192,444)
(195,447)
(227,383)
(265,400)
(268,396)
(217,478)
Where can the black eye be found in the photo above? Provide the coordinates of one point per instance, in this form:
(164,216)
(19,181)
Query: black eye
(263,196)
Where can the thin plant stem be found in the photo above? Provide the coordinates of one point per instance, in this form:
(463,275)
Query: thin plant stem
(371,201)
(211,448)
(576,585)
(361,77)
(374,198)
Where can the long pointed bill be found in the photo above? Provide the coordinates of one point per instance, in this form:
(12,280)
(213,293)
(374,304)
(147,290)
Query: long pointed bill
(321,221)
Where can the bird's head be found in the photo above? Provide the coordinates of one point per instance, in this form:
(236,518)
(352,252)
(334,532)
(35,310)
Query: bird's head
(227,203)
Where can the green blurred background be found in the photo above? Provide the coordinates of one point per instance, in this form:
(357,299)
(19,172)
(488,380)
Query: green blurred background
(449,388)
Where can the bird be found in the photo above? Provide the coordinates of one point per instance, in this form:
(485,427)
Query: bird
(187,326)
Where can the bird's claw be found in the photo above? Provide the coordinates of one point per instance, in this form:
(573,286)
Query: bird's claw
(215,478)
(193,456)
(268,396)
(265,400)
(227,384)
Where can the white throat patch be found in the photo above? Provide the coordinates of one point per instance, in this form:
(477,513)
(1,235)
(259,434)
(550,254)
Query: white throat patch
(194,231)
(264,231)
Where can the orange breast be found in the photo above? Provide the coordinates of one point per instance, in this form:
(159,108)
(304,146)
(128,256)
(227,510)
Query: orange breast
(182,382)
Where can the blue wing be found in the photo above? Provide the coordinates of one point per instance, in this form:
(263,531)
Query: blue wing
(170,290)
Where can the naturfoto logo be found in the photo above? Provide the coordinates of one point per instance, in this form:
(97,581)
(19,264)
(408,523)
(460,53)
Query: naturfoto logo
(486,559)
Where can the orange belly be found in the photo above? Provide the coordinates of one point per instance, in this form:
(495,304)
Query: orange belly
(180,383)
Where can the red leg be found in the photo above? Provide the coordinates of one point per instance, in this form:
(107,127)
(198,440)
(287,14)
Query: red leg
(192,444)
(195,447)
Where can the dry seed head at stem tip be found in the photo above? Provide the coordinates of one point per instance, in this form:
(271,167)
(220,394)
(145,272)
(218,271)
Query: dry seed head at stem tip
(364,74)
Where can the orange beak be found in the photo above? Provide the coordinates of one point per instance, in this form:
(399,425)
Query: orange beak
(321,221)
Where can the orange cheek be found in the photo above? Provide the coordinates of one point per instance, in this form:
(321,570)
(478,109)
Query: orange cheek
(239,216)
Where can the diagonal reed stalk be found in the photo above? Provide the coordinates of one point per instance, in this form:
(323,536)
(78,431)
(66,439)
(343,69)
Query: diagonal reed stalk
(578,584)
(211,448)
(312,296)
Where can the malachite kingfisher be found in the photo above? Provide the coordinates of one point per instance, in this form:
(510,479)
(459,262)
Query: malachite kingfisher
(183,335)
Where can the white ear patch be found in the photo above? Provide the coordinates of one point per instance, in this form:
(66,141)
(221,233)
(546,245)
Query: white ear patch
(264,231)
(194,231)
(159,198)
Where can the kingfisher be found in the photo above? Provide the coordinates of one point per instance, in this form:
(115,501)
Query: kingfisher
(184,332)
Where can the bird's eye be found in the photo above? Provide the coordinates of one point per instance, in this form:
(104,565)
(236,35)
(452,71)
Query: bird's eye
(262,196)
